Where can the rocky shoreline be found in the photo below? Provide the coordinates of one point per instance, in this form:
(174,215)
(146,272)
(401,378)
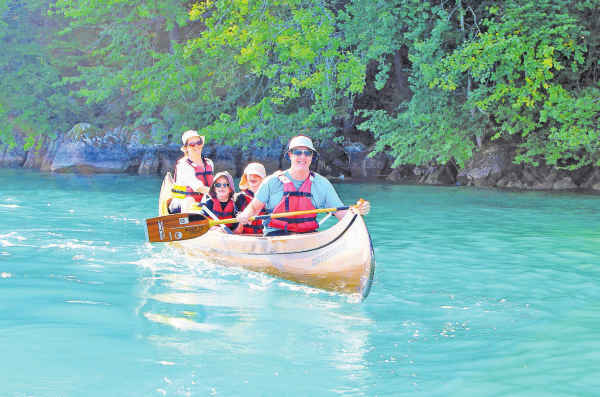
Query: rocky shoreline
(86,149)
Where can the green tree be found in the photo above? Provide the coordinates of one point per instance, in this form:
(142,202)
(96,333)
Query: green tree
(235,67)
(134,69)
(521,71)
(463,71)
(30,104)
(430,123)
(3,27)
(3,13)
(293,50)
(526,67)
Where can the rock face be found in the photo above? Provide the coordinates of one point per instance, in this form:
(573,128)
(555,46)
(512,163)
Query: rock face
(486,168)
(494,167)
(439,175)
(591,179)
(86,149)
(429,175)
(360,164)
(12,157)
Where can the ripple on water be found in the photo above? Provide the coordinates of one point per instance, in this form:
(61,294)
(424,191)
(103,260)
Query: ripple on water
(476,293)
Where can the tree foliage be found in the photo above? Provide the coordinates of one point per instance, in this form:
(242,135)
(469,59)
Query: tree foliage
(3,13)
(525,68)
(30,104)
(236,67)
(463,72)
(293,49)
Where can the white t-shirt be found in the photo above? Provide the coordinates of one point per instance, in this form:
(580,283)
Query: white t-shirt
(186,174)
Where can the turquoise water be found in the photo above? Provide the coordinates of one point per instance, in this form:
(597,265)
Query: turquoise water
(476,293)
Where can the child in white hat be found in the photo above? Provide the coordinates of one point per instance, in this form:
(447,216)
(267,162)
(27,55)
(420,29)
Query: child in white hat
(254,173)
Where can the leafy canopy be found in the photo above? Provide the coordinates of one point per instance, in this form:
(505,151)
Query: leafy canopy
(462,71)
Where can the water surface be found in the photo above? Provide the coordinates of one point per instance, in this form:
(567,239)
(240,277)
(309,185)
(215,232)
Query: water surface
(477,293)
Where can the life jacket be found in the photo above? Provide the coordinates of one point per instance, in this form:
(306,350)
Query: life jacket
(223,213)
(204,175)
(256,226)
(295,200)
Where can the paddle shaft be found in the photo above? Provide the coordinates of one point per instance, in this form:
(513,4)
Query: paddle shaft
(280,215)
(209,212)
(176,227)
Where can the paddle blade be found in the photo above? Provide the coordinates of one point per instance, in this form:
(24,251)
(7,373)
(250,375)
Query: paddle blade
(175,227)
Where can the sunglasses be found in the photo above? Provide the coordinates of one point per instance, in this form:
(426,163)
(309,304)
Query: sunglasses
(298,152)
(221,184)
(195,143)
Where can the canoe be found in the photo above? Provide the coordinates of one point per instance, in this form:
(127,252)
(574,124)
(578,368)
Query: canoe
(338,259)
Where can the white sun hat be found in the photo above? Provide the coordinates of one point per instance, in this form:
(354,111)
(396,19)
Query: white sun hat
(301,140)
(190,134)
(252,168)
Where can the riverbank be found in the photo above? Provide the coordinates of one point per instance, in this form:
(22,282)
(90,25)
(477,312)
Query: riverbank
(86,149)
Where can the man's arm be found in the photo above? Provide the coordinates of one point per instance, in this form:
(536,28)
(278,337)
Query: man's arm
(252,209)
(333,200)
(239,229)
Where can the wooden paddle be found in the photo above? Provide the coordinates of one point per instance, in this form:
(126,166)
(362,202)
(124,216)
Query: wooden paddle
(215,218)
(176,227)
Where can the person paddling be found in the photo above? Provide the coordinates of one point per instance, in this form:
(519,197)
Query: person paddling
(193,174)
(254,173)
(296,189)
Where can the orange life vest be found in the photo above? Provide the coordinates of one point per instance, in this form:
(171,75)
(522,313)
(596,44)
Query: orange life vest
(256,226)
(295,200)
(204,175)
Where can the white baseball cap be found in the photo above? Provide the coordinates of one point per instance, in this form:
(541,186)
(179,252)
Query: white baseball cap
(256,169)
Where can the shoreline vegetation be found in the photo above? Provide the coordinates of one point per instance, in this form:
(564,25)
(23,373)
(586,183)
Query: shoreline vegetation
(480,93)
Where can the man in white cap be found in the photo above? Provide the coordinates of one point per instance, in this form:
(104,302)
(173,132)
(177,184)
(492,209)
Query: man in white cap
(296,189)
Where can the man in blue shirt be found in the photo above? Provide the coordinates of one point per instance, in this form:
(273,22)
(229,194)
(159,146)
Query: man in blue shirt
(301,153)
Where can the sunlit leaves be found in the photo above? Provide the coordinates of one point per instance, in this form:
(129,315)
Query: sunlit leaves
(3,11)
(514,64)
(242,70)
(31,106)
(229,56)
(294,44)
